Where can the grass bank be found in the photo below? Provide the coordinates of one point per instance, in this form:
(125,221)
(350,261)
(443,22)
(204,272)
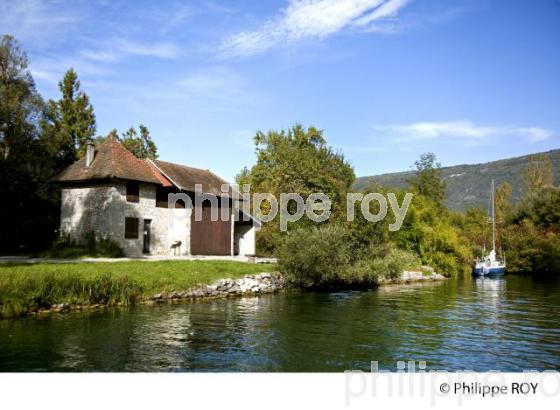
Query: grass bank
(26,287)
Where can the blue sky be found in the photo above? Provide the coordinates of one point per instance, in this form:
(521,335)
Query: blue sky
(387,80)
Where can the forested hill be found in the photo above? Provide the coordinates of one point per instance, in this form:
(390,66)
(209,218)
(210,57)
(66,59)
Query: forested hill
(469,185)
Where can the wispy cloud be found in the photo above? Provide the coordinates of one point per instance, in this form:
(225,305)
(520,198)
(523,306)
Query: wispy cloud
(218,88)
(310,19)
(213,80)
(97,58)
(536,134)
(36,20)
(244,138)
(118,49)
(463,129)
(415,20)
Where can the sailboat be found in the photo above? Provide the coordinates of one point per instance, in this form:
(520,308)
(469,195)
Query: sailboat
(489,265)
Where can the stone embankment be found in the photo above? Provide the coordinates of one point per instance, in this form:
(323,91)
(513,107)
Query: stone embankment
(411,277)
(261,283)
(250,284)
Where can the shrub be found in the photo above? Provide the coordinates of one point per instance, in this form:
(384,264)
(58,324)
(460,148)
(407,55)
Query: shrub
(380,262)
(89,245)
(326,256)
(109,248)
(315,257)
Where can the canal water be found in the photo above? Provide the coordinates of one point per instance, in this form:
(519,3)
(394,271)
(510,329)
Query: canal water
(509,324)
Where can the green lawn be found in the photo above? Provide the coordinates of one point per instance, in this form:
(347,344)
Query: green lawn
(28,286)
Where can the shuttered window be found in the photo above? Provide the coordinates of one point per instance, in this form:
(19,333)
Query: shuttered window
(132,191)
(131,228)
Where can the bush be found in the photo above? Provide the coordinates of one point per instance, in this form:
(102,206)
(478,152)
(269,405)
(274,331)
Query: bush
(380,262)
(109,248)
(315,257)
(530,249)
(326,256)
(90,245)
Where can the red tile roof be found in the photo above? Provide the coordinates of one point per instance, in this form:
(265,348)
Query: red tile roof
(111,160)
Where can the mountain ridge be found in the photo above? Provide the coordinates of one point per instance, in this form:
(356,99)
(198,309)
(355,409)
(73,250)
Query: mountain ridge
(468,185)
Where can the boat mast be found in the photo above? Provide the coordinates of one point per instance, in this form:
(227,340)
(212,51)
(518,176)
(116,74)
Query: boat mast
(493,220)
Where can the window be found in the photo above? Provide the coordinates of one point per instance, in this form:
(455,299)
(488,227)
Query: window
(131,228)
(161,197)
(132,191)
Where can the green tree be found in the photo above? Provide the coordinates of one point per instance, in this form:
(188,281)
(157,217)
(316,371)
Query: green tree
(140,144)
(538,174)
(427,180)
(297,160)
(502,197)
(72,116)
(21,106)
(28,199)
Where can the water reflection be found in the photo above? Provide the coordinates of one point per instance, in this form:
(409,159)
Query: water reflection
(480,324)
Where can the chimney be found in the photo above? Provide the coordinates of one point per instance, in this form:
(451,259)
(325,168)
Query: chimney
(90,152)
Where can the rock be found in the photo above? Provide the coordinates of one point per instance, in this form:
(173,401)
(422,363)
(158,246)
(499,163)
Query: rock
(263,282)
(225,285)
(263,287)
(197,293)
(173,295)
(60,307)
(408,276)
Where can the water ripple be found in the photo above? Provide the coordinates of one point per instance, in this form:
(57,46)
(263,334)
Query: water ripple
(509,324)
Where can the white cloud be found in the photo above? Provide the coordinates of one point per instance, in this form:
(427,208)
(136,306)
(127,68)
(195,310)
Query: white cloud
(314,19)
(161,50)
(462,129)
(37,21)
(51,67)
(118,49)
(536,134)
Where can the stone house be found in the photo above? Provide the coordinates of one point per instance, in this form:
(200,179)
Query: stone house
(118,196)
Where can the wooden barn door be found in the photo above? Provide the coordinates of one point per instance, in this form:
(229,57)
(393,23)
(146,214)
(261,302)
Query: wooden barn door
(210,237)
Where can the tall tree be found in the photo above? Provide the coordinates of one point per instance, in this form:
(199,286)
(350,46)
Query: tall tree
(538,174)
(502,197)
(20,104)
(28,201)
(427,180)
(77,118)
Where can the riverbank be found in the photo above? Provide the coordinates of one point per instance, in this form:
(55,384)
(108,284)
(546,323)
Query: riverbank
(33,288)
(40,289)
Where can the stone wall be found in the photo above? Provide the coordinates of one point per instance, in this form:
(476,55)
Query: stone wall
(95,207)
(103,209)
